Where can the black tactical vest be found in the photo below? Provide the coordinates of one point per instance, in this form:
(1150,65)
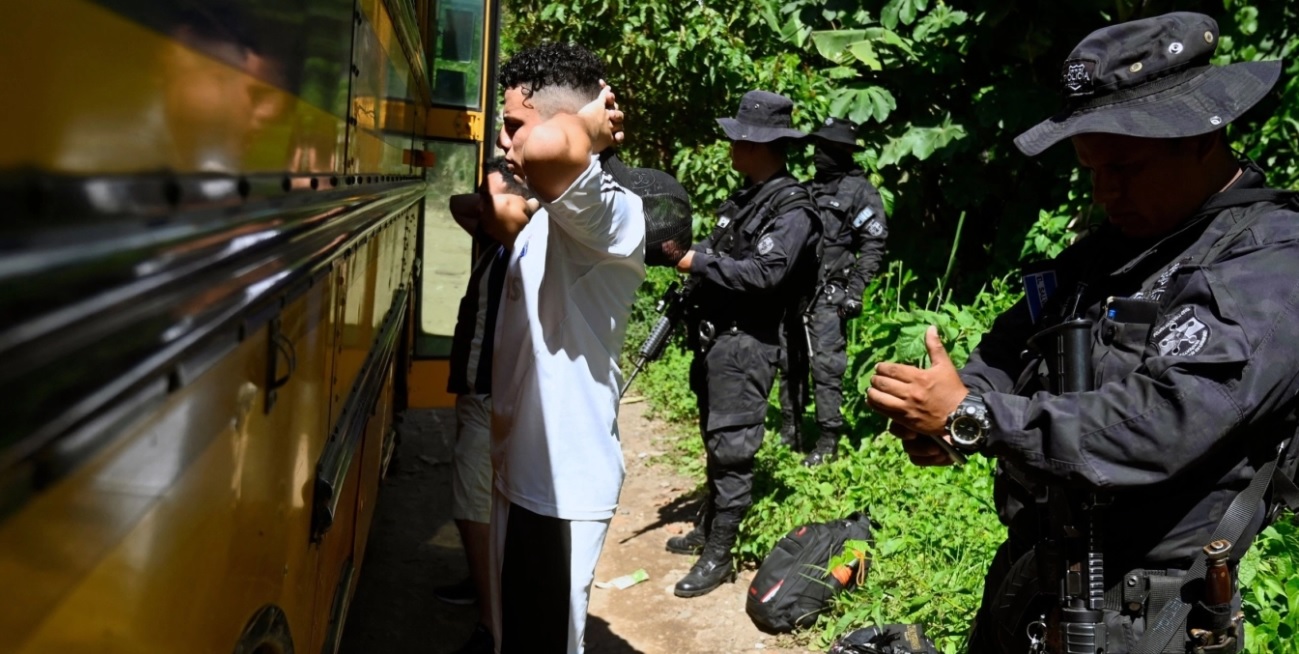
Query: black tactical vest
(850,211)
(742,221)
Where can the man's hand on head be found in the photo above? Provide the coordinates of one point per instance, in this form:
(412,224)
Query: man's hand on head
(603,120)
(559,149)
(920,399)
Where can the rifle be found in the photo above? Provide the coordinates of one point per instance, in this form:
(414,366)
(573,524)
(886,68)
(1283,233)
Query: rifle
(672,309)
(1067,350)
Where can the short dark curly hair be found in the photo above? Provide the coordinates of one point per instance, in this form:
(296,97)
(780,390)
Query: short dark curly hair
(565,65)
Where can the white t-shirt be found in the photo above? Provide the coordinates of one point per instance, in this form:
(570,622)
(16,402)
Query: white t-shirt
(572,277)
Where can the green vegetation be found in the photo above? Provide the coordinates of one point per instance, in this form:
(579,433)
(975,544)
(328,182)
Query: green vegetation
(942,88)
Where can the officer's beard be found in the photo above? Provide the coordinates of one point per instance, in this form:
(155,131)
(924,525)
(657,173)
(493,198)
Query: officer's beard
(832,162)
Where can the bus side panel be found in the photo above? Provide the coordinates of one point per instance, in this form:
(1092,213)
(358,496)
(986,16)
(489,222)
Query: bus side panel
(392,245)
(109,95)
(209,498)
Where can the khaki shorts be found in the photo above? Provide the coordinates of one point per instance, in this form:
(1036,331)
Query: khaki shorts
(471,474)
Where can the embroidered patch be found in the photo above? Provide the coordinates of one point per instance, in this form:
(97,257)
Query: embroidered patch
(1161,282)
(1076,78)
(875,228)
(1183,334)
(866,214)
(723,222)
(765,245)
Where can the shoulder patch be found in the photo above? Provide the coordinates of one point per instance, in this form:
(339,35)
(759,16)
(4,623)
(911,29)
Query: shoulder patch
(765,245)
(862,217)
(1183,334)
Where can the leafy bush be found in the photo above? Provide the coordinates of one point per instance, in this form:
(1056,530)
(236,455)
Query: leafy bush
(1269,579)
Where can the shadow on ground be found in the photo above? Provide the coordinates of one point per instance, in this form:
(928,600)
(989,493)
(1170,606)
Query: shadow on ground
(601,640)
(413,548)
(684,508)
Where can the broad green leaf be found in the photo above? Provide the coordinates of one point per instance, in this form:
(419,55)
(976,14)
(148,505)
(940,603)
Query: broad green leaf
(843,99)
(907,12)
(833,44)
(889,15)
(890,37)
(865,53)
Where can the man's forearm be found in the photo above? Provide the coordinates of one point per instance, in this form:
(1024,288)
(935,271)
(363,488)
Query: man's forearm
(557,152)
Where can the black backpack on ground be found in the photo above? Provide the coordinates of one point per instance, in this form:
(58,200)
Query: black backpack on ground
(888,639)
(793,585)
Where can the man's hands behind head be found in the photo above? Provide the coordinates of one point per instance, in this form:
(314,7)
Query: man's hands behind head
(602,120)
(559,149)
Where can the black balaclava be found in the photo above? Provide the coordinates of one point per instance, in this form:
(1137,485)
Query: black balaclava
(832,160)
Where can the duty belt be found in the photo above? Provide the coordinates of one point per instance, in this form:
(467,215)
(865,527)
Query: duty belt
(709,331)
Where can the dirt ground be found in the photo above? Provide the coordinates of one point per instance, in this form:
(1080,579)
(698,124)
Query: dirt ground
(414,547)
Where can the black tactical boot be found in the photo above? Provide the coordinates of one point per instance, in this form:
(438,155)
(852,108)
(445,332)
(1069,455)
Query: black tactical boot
(693,541)
(715,567)
(823,451)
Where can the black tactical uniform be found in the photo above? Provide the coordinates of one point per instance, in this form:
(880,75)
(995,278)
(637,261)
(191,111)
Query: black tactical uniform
(1194,368)
(765,237)
(852,246)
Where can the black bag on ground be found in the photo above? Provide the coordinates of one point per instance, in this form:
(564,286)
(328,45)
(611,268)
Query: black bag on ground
(793,586)
(888,639)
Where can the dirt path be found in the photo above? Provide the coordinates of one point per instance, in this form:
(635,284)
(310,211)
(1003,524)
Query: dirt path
(414,548)
(647,617)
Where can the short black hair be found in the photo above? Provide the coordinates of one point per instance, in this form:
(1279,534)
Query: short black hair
(559,64)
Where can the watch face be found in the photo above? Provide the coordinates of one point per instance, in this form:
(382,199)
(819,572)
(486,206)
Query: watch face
(966,430)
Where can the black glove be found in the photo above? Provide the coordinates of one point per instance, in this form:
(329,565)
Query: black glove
(849,308)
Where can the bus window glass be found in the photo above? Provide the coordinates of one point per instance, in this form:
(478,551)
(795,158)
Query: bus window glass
(457,55)
(447,249)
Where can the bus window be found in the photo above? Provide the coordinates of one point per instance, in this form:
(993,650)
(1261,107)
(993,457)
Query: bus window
(457,54)
(446,247)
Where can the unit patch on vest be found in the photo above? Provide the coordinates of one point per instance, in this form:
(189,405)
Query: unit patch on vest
(723,222)
(875,228)
(1183,334)
(765,245)
(1161,282)
(862,217)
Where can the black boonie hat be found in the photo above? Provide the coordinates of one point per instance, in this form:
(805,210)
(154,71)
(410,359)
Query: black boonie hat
(763,117)
(838,130)
(1151,78)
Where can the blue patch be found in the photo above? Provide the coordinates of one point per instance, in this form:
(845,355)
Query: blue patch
(866,214)
(1038,288)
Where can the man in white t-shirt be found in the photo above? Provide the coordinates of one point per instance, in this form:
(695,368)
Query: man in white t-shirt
(572,276)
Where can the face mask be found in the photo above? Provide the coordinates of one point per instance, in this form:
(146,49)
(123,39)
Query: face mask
(832,161)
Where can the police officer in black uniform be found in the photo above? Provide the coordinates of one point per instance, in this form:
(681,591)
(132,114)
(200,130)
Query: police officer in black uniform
(763,244)
(852,246)
(1124,497)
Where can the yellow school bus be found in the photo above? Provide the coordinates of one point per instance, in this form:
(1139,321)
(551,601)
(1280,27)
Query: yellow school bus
(225,265)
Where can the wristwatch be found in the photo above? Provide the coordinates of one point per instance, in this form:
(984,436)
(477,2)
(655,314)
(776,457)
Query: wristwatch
(969,424)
